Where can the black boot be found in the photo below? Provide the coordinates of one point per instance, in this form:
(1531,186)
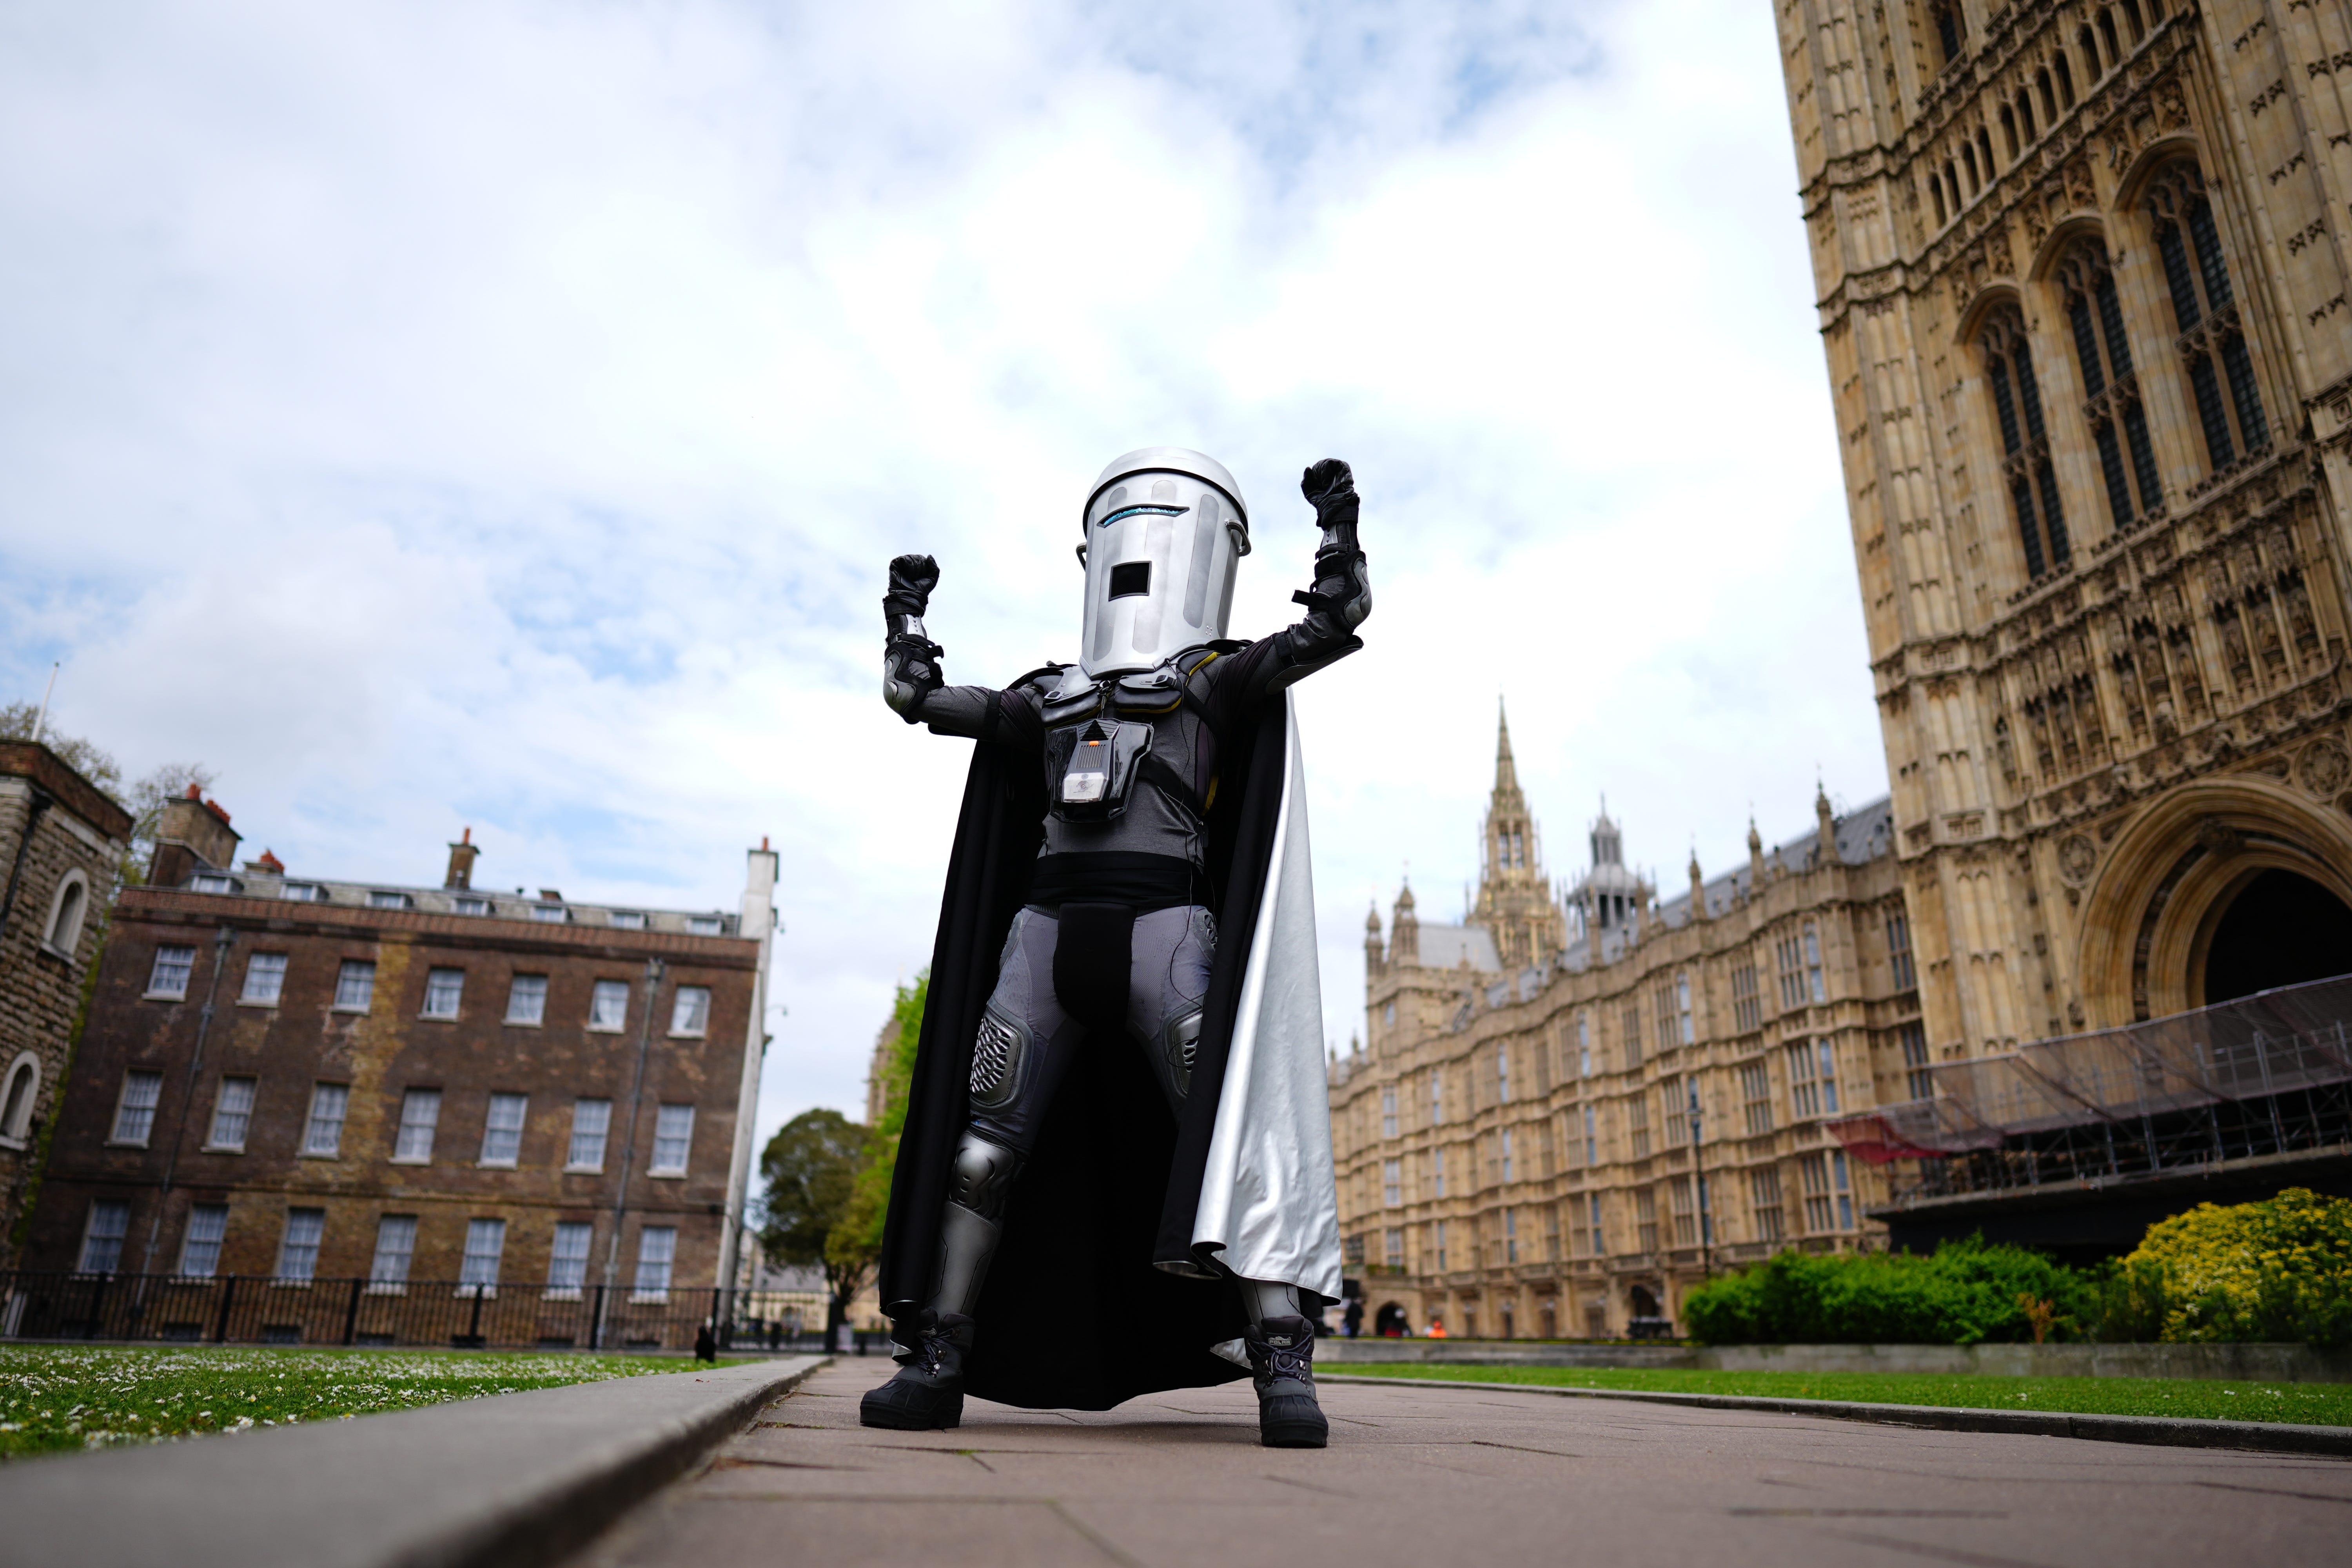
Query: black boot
(926,1391)
(1282,1364)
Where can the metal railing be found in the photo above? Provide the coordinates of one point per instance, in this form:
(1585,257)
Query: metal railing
(2267,1075)
(234,1310)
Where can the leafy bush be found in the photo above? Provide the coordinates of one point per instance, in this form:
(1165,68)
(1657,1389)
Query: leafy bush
(2273,1271)
(1965,1293)
(2277,1271)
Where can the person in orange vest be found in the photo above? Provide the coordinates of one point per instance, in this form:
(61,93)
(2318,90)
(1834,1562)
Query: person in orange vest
(1437,1327)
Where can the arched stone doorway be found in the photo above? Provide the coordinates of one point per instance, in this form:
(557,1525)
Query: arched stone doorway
(2280,928)
(1389,1323)
(2164,890)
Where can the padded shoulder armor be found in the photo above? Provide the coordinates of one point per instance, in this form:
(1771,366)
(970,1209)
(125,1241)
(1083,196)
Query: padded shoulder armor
(1071,696)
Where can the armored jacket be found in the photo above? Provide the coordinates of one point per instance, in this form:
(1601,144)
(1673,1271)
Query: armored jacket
(1130,760)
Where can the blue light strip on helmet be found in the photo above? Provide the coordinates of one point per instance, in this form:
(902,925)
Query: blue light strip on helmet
(1146,510)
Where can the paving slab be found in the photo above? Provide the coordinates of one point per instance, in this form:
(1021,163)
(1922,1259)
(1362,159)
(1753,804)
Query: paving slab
(1421,1474)
(506,1482)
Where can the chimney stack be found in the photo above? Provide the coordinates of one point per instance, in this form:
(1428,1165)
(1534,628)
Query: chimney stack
(461,862)
(192,835)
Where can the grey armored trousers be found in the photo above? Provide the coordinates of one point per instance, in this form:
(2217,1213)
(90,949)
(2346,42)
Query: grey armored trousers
(1026,1043)
(1027,1040)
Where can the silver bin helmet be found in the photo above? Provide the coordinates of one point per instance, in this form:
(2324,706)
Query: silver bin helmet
(1165,527)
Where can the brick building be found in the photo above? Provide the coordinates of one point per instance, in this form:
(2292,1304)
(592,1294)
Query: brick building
(61,839)
(292,1079)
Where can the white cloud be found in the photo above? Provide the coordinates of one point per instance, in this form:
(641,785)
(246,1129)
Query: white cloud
(501,415)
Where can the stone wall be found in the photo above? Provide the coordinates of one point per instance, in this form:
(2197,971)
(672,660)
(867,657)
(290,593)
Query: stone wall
(1468,1187)
(77,838)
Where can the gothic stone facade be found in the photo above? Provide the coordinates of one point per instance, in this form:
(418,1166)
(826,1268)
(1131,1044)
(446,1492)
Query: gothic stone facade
(61,839)
(1514,1146)
(2082,271)
(384,1069)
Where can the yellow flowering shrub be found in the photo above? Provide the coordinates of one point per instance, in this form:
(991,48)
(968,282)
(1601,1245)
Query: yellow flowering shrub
(2279,1271)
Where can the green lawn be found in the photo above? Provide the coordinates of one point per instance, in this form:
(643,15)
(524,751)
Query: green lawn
(2308,1403)
(62,1397)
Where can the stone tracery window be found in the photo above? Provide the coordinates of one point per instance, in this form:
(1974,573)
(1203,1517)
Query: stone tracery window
(1951,29)
(2111,390)
(2206,313)
(2026,469)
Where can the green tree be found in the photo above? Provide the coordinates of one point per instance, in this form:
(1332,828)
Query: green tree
(870,1204)
(810,1172)
(90,761)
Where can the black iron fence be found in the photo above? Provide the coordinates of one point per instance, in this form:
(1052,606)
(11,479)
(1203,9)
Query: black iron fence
(234,1310)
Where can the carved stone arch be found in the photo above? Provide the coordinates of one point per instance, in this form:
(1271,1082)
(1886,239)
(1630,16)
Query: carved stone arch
(68,914)
(2170,874)
(2154,159)
(20,1090)
(2062,240)
(1988,299)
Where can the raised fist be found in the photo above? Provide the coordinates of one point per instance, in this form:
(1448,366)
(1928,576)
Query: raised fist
(1328,478)
(912,578)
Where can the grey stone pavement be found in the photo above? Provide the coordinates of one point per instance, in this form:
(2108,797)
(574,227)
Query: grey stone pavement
(1426,1475)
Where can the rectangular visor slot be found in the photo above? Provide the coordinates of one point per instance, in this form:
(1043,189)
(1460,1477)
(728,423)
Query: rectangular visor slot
(1130,579)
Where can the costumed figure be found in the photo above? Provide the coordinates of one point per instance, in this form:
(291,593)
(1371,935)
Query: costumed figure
(1114,1177)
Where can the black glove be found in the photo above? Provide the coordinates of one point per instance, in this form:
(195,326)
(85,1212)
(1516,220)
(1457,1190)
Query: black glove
(1342,597)
(1328,478)
(912,578)
(1330,488)
(910,661)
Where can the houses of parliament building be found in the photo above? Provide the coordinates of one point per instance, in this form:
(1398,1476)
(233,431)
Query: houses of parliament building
(2082,274)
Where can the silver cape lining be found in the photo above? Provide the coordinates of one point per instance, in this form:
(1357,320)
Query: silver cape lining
(1269,1206)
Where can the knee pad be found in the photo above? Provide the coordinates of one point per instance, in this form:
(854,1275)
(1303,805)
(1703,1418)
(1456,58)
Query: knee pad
(1180,1046)
(1000,1055)
(984,1173)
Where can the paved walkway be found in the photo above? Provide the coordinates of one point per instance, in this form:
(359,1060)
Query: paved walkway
(1461,1474)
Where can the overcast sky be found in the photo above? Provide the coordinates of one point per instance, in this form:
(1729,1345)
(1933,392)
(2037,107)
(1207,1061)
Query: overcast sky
(501,415)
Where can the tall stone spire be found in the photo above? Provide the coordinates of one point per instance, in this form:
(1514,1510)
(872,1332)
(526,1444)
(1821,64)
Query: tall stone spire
(1514,901)
(1507,771)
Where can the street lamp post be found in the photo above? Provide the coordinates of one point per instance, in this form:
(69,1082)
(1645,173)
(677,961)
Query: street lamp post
(1698,1177)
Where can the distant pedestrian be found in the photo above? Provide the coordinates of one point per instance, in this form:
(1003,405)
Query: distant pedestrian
(706,1348)
(1354,1317)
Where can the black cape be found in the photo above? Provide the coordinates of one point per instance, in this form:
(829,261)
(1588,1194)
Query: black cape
(1094,1296)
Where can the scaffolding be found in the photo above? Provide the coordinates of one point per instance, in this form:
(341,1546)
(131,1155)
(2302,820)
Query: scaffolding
(2267,1075)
